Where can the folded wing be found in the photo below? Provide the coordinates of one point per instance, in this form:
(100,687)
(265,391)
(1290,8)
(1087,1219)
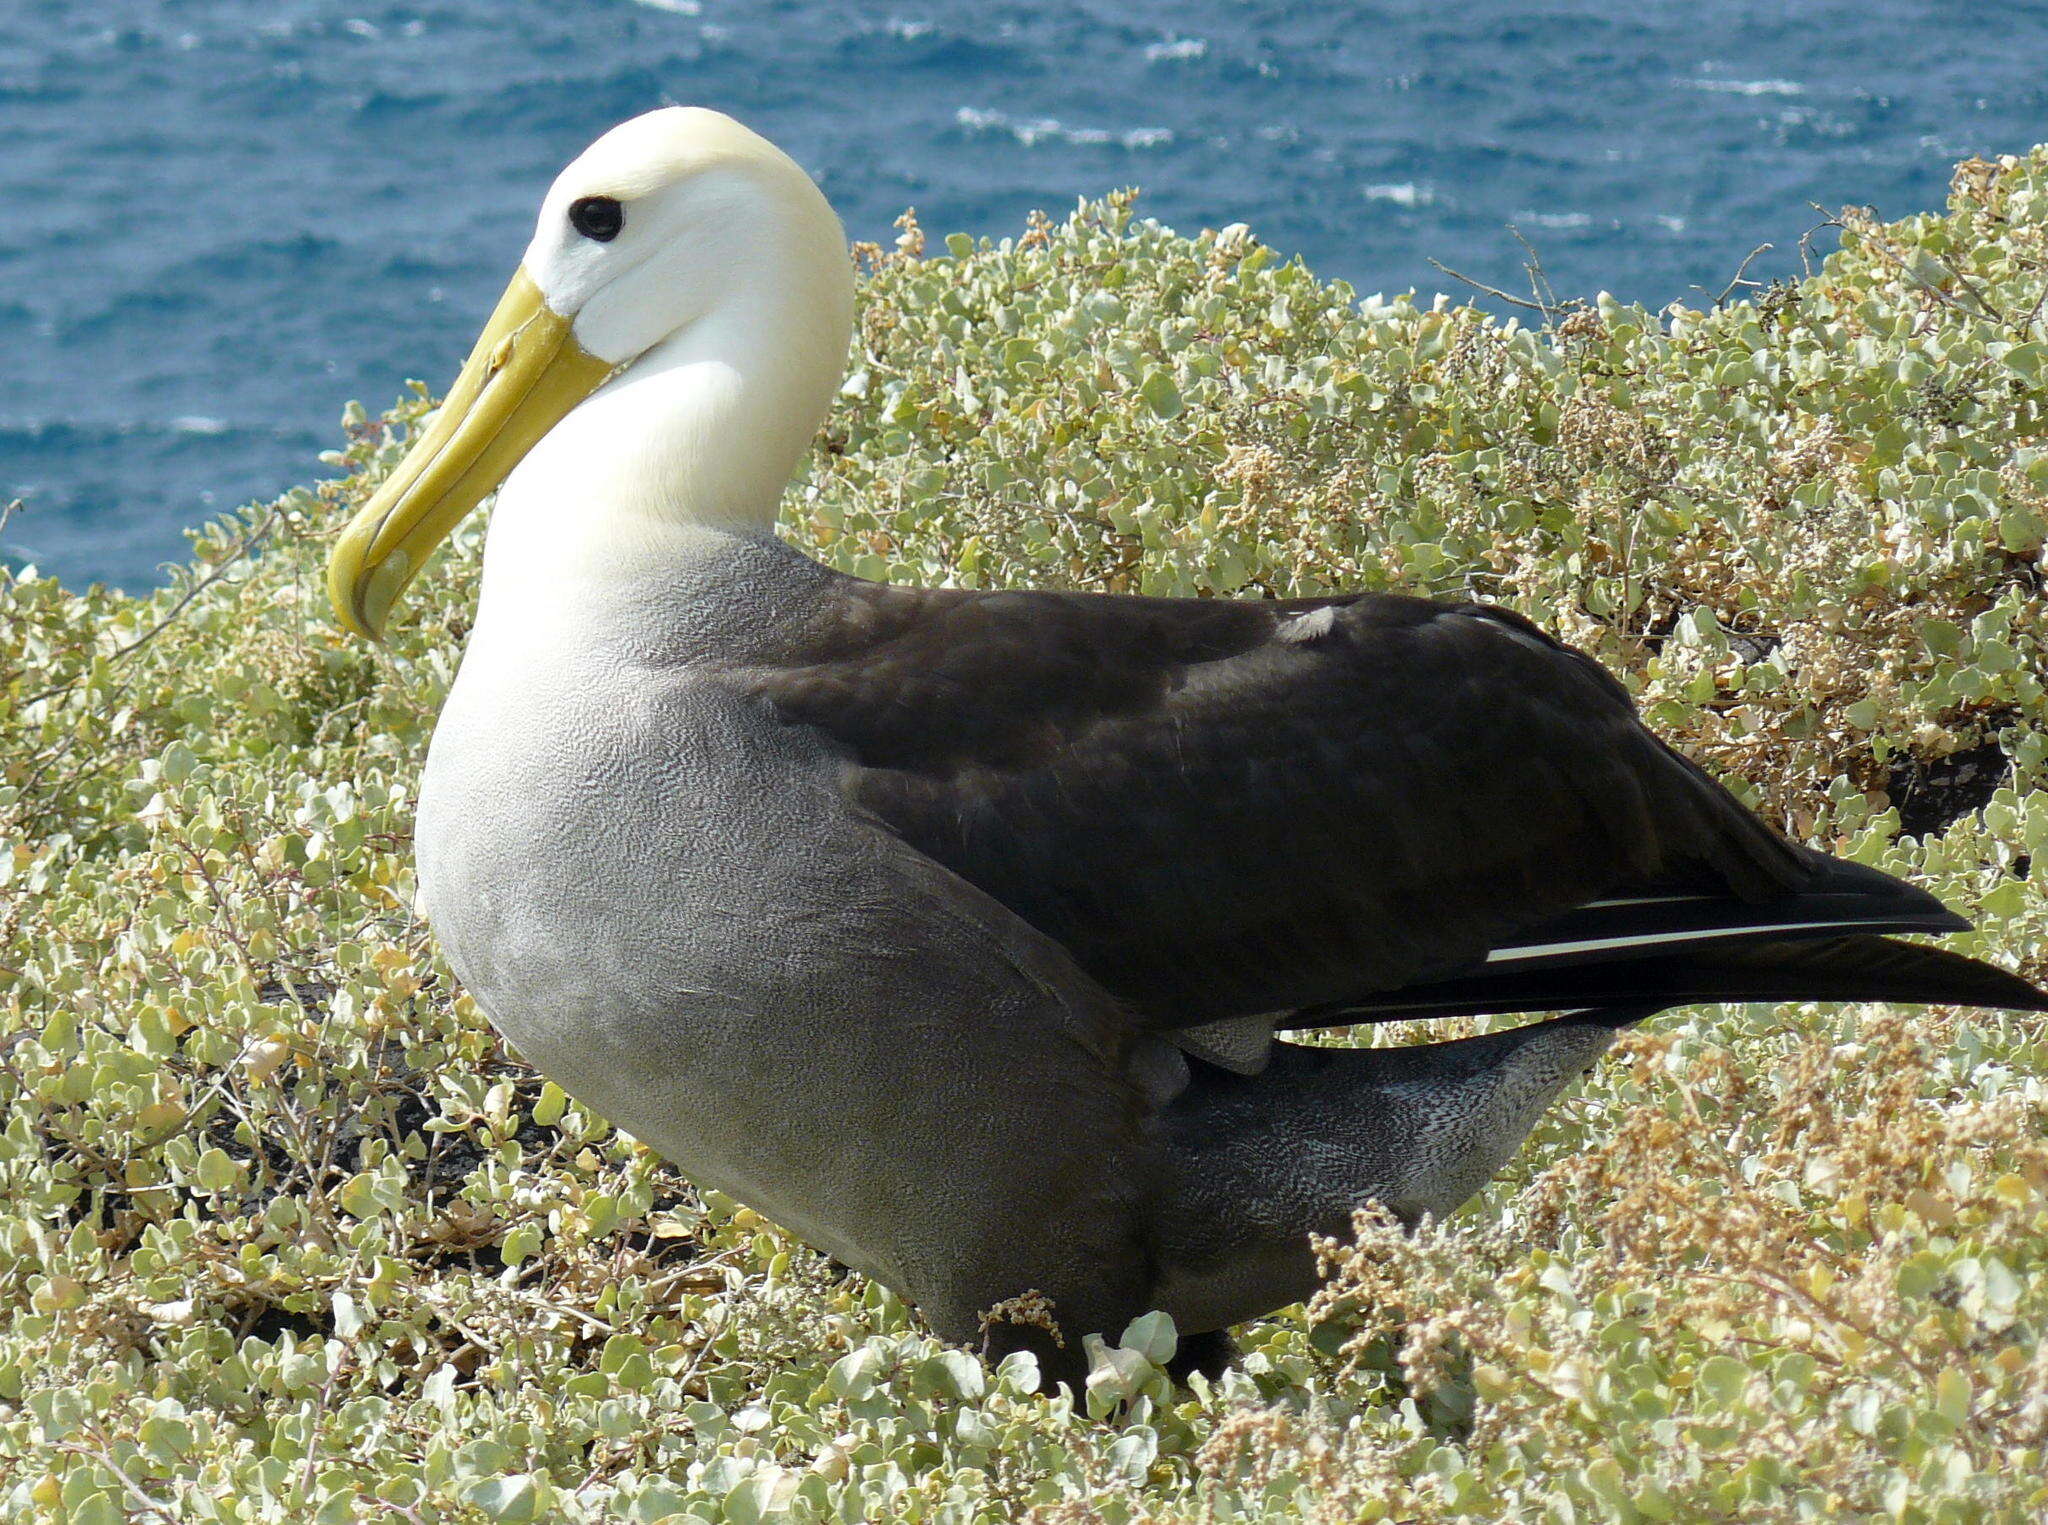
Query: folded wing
(1227,808)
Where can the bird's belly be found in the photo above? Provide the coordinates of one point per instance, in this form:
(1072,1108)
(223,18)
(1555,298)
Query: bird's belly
(604,878)
(668,909)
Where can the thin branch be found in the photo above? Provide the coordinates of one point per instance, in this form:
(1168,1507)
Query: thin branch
(2034,316)
(155,1508)
(1976,292)
(249,543)
(1982,307)
(1539,282)
(1828,220)
(1740,271)
(1492,291)
(321,1411)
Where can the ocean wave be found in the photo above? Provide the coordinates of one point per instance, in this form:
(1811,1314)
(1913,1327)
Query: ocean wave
(1556,222)
(446,121)
(1811,121)
(1746,86)
(1030,131)
(68,433)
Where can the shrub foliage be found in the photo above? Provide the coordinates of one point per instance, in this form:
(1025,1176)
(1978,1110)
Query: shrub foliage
(287,1233)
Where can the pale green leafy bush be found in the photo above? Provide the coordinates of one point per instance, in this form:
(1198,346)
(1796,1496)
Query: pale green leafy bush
(288,1234)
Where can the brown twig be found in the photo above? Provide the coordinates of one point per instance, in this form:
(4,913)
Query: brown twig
(155,1508)
(1828,220)
(1492,291)
(1539,282)
(1737,279)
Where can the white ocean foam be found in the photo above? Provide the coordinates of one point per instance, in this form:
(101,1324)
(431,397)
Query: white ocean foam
(356,26)
(1176,48)
(1031,131)
(198,423)
(1404,193)
(1559,220)
(673,7)
(909,31)
(1746,86)
(1670,224)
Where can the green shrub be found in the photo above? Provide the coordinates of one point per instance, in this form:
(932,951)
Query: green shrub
(286,1233)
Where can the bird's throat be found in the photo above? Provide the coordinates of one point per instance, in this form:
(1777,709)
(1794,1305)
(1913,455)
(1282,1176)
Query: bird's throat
(694,441)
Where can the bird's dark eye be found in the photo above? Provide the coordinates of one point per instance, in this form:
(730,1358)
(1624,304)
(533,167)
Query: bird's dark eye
(598,217)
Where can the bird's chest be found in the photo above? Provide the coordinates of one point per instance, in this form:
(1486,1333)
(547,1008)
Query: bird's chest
(591,856)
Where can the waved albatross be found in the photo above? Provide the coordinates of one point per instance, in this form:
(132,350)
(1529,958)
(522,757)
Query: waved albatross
(952,929)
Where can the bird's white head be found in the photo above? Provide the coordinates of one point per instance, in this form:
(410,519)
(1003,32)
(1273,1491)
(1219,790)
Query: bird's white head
(679,216)
(663,357)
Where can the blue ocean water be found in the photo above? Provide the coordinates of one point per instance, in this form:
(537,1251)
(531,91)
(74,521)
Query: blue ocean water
(221,219)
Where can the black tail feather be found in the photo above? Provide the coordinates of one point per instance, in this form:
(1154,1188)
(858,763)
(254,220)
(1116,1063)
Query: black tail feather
(1656,920)
(1860,967)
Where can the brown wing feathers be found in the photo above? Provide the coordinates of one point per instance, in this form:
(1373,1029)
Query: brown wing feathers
(1226,807)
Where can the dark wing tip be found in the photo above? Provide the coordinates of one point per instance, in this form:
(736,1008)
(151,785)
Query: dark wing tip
(1858,967)
(1881,893)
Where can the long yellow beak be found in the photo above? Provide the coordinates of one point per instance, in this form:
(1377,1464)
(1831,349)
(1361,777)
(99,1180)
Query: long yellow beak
(526,372)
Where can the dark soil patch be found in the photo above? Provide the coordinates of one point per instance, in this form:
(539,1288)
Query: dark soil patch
(1931,796)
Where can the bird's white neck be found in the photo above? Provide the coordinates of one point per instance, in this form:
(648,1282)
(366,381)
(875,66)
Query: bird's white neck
(691,443)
